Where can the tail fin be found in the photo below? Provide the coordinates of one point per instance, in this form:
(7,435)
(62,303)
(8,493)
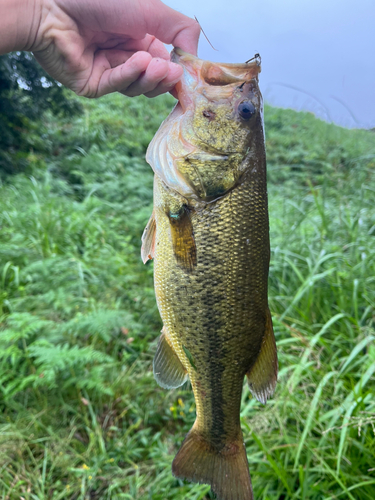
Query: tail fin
(227,471)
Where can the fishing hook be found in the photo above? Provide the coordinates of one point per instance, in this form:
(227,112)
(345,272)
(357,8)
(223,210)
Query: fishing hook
(257,58)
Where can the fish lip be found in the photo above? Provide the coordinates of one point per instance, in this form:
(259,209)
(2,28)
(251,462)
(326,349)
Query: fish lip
(237,72)
(179,56)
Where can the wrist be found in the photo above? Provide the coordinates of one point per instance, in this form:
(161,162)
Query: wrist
(19,24)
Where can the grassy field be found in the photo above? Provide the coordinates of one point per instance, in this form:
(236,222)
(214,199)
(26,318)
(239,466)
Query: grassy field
(81,415)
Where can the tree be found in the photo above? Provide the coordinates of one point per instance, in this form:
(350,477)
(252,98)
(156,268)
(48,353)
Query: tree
(26,92)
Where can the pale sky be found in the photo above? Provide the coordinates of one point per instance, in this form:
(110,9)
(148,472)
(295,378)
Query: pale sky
(317,55)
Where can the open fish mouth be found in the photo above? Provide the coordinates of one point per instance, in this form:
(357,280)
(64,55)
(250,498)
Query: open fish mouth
(210,73)
(217,73)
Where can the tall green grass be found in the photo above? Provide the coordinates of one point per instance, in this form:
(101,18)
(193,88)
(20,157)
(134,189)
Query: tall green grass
(81,415)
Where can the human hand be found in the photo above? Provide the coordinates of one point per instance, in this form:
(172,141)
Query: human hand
(95,47)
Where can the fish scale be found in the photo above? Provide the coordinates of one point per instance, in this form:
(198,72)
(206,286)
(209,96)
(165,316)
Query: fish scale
(211,258)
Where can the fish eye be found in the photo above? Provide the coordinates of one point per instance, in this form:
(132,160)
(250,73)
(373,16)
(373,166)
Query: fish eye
(246,109)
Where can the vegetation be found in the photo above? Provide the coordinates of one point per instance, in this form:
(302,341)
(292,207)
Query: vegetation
(26,91)
(81,415)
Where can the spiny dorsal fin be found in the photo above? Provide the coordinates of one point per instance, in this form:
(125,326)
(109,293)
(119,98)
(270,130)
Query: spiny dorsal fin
(169,372)
(148,240)
(183,240)
(262,376)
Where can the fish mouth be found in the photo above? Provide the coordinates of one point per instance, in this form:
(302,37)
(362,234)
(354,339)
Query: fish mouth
(198,71)
(217,73)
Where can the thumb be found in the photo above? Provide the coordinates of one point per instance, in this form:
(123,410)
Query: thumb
(173,28)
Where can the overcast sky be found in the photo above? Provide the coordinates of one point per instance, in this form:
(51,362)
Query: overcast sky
(317,55)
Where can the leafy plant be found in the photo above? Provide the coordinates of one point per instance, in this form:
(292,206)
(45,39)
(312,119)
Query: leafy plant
(26,92)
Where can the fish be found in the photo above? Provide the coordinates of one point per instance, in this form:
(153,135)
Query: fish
(208,236)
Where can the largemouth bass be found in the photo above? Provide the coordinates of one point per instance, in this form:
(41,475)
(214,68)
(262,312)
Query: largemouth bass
(209,238)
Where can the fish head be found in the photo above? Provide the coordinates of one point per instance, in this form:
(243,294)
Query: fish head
(220,102)
(205,146)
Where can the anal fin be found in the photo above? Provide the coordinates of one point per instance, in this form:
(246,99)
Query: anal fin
(262,376)
(169,372)
(183,241)
(148,240)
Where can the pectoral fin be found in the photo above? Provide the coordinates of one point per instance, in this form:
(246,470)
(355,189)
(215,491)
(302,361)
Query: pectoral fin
(183,239)
(148,240)
(262,376)
(168,369)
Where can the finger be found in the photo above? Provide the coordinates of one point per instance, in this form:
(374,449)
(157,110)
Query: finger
(157,71)
(122,76)
(157,48)
(174,28)
(124,51)
(167,84)
(161,88)
(135,19)
(116,57)
(149,44)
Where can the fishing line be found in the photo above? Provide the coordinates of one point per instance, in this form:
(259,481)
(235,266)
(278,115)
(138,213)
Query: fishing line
(206,37)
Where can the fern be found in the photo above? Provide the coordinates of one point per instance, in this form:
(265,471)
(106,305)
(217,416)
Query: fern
(63,357)
(103,324)
(22,326)
(63,365)
(47,356)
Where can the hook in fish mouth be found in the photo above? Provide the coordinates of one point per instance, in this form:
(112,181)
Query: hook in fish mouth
(256,58)
(217,74)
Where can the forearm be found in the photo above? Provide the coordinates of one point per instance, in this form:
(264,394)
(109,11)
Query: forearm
(19,21)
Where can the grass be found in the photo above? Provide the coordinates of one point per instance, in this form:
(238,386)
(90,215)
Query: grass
(81,415)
